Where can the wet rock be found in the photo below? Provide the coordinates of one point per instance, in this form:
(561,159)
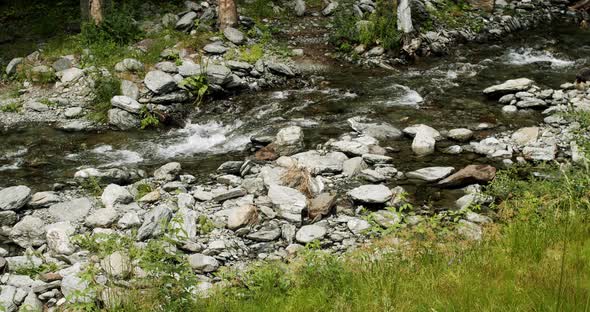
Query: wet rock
(280,69)
(234,35)
(123,120)
(424,129)
(168,172)
(218,74)
(371,194)
(58,238)
(470,175)
(321,206)
(29,232)
(14,197)
(289,141)
(73,211)
(77,125)
(309,233)
(202,263)
(289,202)
(460,134)
(509,86)
(159,82)
(127,104)
(531,103)
(430,174)
(73,112)
(380,131)
(423,144)
(154,222)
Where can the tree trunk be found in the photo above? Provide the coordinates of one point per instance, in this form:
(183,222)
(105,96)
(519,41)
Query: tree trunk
(93,10)
(228,14)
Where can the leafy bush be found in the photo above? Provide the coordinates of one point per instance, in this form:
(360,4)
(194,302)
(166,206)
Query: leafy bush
(148,119)
(380,27)
(105,87)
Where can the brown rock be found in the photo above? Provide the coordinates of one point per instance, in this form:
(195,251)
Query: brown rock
(486,5)
(470,175)
(267,153)
(50,277)
(321,206)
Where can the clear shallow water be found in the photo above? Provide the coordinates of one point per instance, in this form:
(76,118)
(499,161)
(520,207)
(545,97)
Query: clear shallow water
(444,93)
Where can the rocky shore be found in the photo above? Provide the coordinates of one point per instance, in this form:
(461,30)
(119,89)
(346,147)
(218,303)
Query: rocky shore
(267,207)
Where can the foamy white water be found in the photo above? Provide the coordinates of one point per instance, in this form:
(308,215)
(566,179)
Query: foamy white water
(407,97)
(117,157)
(529,56)
(212,137)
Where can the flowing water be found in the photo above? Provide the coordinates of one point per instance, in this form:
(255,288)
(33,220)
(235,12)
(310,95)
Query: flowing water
(444,93)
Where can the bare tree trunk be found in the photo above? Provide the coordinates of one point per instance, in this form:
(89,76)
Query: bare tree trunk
(93,10)
(228,14)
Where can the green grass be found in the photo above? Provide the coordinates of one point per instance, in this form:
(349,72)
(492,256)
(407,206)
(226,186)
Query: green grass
(536,257)
(104,89)
(13,107)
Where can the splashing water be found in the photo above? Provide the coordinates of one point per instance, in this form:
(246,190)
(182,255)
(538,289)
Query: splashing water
(212,137)
(117,157)
(530,56)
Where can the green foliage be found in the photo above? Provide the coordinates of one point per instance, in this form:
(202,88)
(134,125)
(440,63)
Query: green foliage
(33,272)
(380,27)
(205,225)
(148,119)
(454,14)
(105,87)
(196,85)
(257,9)
(142,190)
(251,54)
(12,107)
(92,186)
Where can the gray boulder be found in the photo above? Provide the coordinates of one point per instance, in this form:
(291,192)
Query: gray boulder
(29,232)
(154,222)
(218,74)
(290,202)
(309,233)
(202,263)
(371,194)
(115,194)
(430,174)
(73,211)
(289,141)
(126,103)
(59,238)
(123,120)
(509,86)
(186,21)
(234,35)
(14,197)
(168,172)
(13,65)
(159,82)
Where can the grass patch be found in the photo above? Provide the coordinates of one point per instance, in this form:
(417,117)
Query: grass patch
(12,107)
